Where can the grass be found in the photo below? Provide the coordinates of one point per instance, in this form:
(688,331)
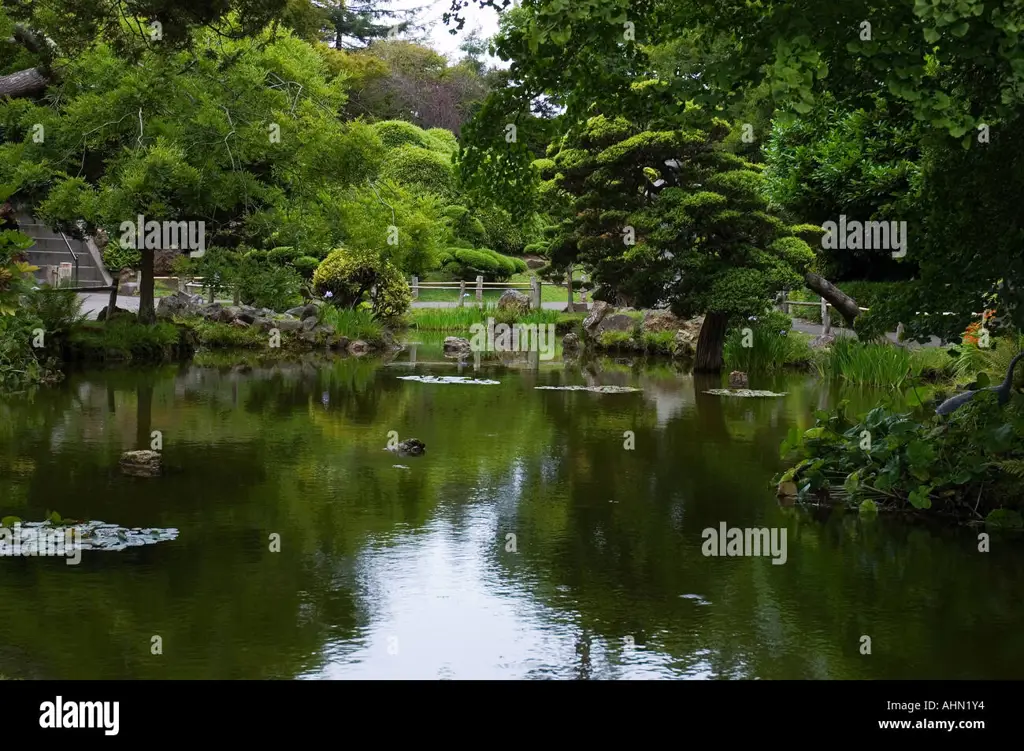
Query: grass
(124,339)
(353,324)
(869,363)
(460,319)
(770,351)
(215,335)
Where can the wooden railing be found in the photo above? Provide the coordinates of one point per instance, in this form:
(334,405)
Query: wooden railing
(534,285)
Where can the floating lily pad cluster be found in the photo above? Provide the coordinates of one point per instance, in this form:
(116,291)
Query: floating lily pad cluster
(744,393)
(94,535)
(451,379)
(595,389)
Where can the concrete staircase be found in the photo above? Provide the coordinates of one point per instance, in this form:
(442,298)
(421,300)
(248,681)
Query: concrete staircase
(51,249)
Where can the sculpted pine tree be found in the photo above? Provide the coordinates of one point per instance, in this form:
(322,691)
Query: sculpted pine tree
(667,217)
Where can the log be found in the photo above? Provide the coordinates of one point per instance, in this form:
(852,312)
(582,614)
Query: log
(23,83)
(842,302)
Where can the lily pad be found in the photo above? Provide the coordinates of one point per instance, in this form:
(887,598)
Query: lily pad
(749,393)
(94,535)
(450,379)
(595,389)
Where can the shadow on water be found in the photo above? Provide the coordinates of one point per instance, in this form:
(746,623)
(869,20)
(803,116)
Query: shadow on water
(544,533)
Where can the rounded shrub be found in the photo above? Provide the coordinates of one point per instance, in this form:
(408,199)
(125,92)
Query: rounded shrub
(443,140)
(396,133)
(421,169)
(306,265)
(282,255)
(353,275)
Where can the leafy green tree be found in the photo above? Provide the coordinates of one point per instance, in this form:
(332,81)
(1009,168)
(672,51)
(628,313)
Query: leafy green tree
(667,217)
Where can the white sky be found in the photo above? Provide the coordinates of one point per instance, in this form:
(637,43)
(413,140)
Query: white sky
(485,20)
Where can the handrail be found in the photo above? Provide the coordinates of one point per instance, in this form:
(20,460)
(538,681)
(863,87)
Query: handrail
(73,254)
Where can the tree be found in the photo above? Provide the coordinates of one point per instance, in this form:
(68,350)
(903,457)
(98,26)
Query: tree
(666,216)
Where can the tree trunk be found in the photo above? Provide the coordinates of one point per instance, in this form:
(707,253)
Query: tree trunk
(23,83)
(842,302)
(113,300)
(147,310)
(710,343)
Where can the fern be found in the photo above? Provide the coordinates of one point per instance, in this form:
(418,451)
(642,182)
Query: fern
(1013,467)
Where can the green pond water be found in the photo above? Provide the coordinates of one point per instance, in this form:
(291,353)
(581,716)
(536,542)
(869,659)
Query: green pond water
(408,571)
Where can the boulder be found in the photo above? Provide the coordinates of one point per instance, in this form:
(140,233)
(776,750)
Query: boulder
(358,347)
(661,320)
(140,463)
(210,311)
(594,318)
(536,263)
(616,322)
(570,343)
(228,314)
(454,345)
(738,380)
(309,311)
(178,304)
(286,324)
(512,300)
(264,324)
(297,312)
(248,314)
(686,343)
(118,313)
(308,324)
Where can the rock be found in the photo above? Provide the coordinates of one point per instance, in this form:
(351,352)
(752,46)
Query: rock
(178,304)
(210,311)
(536,263)
(141,463)
(325,328)
(454,345)
(228,314)
(118,313)
(309,311)
(738,380)
(248,314)
(661,320)
(338,343)
(129,289)
(358,347)
(616,322)
(239,324)
(822,341)
(686,344)
(570,343)
(512,300)
(297,312)
(409,447)
(126,276)
(308,324)
(597,313)
(286,324)
(264,324)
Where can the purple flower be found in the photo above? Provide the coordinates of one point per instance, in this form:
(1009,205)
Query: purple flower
(328,295)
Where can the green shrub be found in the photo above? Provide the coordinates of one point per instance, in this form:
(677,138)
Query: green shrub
(504,233)
(397,133)
(470,263)
(465,226)
(283,255)
(225,336)
(420,169)
(265,285)
(58,310)
(306,265)
(125,339)
(348,274)
(442,139)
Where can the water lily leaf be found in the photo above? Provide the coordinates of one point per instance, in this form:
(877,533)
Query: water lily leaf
(919,497)
(868,508)
(852,483)
(9,521)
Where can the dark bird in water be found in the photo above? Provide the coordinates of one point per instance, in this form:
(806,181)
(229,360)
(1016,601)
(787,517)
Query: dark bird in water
(1002,390)
(409,447)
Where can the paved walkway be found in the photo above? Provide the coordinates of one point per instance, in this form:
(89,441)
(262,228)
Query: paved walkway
(94,302)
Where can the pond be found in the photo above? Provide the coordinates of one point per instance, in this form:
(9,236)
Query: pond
(545,533)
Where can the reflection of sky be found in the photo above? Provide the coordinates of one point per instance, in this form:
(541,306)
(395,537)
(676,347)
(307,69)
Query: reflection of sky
(453,612)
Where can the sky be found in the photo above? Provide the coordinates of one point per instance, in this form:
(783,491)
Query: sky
(486,20)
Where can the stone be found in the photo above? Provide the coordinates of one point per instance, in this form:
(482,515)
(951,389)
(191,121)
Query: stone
(596,315)
(309,311)
(297,312)
(248,314)
(308,324)
(264,324)
(686,344)
(118,313)
(228,314)
(516,301)
(325,329)
(738,380)
(286,324)
(822,341)
(616,322)
(358,347)
(570,343)
(656,321)
(239,324)
(178,304)
(129,289)
(536,263)
(140,463)
(338,343)
(454,345)
(210,311)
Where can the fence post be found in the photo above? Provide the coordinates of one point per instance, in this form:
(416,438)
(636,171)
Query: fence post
(568,284)
(785,301)
(826,321)
(415,287)
(462,292)
(480,289)
(535,293)
(182,284)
